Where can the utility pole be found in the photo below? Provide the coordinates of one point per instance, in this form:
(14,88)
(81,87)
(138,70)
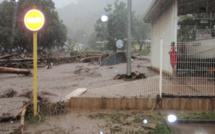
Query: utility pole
(129,39)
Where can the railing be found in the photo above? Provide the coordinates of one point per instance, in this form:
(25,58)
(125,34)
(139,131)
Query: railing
(195,71)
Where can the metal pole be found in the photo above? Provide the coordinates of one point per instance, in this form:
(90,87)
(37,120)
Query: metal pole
(35,72)
(161,67)
(129,40)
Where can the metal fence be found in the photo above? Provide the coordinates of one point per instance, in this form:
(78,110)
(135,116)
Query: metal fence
(138,88)
(194,72)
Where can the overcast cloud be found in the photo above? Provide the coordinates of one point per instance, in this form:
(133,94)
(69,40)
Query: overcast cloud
(63,3)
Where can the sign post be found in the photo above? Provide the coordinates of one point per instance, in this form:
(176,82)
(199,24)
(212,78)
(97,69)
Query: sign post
(129,39)
(34,21)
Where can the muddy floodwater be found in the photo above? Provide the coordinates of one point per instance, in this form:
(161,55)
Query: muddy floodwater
(54,84)
(192,128)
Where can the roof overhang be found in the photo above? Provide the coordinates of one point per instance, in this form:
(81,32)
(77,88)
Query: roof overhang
(184,7)
(155,9)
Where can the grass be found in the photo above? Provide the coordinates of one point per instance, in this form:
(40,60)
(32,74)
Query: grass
(144,51)
(201,115)
(30,119)
(137,120)
(115,118)
(134,120)
(161,129)
(121,121)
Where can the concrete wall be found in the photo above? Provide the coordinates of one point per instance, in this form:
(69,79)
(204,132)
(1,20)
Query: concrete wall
(165,27)
(186,103)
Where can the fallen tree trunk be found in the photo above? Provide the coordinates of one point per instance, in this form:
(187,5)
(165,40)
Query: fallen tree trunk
(8,118)
(17,60)
(7,56)
(5,118)
(14,70)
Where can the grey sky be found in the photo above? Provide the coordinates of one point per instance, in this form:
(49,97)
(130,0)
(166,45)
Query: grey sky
(62,3)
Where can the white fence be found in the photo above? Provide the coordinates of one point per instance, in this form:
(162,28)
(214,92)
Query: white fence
(195,71)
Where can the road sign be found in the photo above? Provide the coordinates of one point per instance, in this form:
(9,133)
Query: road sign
(34,20)
(119,43)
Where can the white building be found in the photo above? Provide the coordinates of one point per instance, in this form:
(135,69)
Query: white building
(164,18)
(162,14)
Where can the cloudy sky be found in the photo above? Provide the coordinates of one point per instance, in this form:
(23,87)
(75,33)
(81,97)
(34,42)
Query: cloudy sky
(62,3)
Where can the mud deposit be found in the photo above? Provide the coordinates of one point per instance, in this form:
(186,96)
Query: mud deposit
(54,84)
(192,128)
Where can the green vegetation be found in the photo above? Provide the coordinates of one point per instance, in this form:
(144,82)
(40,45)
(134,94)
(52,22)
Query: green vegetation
(131,122)
(188,26)
(145,51)
(161,129)
(116,28)
(137,120)
(13,33)
(201,115)
(123,120)
(36,119)
(115,118)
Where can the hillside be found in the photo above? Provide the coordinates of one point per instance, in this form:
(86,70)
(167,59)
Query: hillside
(81,17)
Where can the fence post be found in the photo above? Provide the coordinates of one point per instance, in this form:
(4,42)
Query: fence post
(161,67)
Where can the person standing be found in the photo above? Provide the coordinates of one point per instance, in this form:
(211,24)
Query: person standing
(173,58)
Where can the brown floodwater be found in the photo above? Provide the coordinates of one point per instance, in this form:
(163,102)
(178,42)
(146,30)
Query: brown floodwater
(192,128)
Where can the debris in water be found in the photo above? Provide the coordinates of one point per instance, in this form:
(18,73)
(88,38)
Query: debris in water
(134,76)
(14,70)
(8,93)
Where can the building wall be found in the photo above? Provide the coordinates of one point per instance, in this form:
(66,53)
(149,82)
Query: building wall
(201,49)
(204,42)
(165,27)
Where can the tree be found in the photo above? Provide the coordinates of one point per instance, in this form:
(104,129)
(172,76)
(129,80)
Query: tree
(53,33)
(92,42)
(140,31)
(116,27)
(185,32)
(6,24)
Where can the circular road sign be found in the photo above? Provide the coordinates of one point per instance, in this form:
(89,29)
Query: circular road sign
(34,20)
(119,43)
